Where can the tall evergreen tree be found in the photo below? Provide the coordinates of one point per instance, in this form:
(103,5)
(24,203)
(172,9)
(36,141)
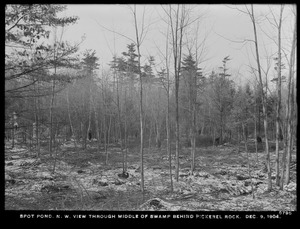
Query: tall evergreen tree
(222,96)
(89,65)
(191,75)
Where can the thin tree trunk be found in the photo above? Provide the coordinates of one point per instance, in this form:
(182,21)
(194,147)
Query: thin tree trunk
(194,130)
(158,142)
(125,132)
(177,129)
(120,122)
(169,153)
(142,129)
(289,114)
(283,161)
(126,152)
(263,101)
(177,34)
(291,105)
(214,136)
(150,132)
(90,112)
(56,150)
(13,136)
(248,159)
(259,128)
(70,119)
(104,124)
(193,140)
(141,100)
(169,140)
(36,119)
(109,131)
(238,139)
(125,143)
(255,136)
(51,115)
(97,125)
(278,100)
(81,134)
(202,129)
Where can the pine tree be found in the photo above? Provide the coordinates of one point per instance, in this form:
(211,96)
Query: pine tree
(89,65)
(191,75)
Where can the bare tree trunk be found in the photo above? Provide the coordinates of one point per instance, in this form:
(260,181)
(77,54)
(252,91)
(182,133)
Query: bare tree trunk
(221,125)
(36,119)
(263,100)
(248,159)
(202,129)
(150,132)
(158,141)
(291,105)
(278,99)
(125,132)
(124,150)
(138,43)
(53,96)
(193,139)
(238,138)
(70,119)
(194,130)
(109,131)
(169,153)
(141,109)
(120,123)
(90,111)
(125,143)
(97,125)
(142,126)
(283,158)
(56,149)
(38,123)
(285,176)
(51,115)
(177,36)
(81,134)
(104,123)
(193,150)
(177,130)
(255,136)
(214,136)
(168,139)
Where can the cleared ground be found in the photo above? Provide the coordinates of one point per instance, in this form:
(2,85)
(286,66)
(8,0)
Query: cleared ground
(81,180)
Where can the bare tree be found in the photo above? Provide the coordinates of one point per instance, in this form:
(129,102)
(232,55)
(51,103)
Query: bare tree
(252,17)
(140,35)
(96,115)
(285,175)
(37,118)
(105,111)
(70,119)
(178,19)
(197,48)
(53,89)
(165,79)
(278,25)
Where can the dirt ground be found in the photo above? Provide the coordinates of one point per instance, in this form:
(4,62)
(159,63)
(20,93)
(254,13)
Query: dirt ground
(81,180)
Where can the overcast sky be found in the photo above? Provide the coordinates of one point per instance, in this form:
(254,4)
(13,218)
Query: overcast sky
(220,24)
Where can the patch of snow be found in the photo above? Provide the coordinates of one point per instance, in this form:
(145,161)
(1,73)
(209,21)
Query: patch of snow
(44,175)
(290,187)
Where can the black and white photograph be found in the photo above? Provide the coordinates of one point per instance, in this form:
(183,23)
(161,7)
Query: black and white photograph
(150,111)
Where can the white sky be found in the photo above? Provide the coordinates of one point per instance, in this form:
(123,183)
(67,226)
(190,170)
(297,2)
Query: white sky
(220,24)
